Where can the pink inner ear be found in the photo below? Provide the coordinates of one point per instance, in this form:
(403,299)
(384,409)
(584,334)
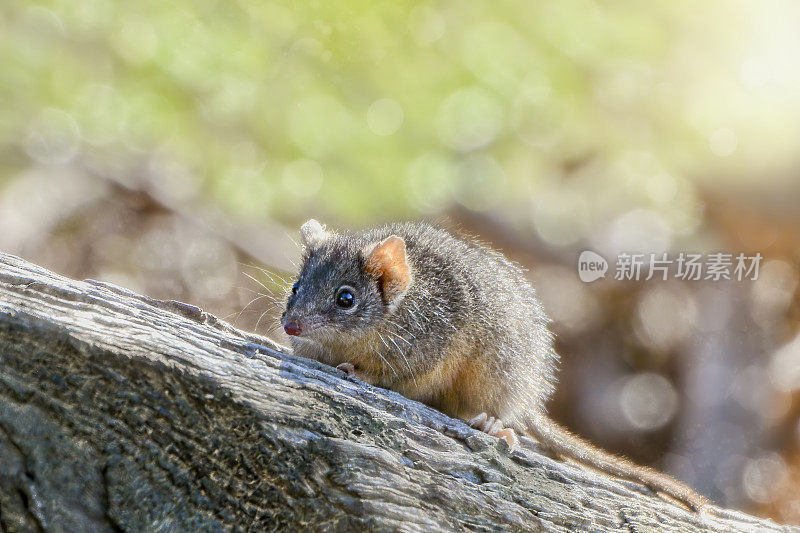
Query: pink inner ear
(387,262)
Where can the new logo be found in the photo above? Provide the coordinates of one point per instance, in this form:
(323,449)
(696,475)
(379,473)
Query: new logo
(591,266)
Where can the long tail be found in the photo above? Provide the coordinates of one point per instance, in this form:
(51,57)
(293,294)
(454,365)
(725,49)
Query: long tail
(559,440)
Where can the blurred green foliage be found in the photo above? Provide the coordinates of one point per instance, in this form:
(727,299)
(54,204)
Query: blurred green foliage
(564,112)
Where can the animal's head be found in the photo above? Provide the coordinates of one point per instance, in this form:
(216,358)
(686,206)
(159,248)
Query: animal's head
(345,286)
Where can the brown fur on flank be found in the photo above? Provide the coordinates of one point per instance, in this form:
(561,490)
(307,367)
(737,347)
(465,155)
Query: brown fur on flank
(445,321)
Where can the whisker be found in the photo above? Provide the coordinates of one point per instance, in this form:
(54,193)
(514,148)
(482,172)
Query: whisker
(272,276)
(261,318)
(383,341)
(384,359)
(297,244)
(251,303)
(239,287)
(405,359)
(272,328)
(254,279)
(403,328)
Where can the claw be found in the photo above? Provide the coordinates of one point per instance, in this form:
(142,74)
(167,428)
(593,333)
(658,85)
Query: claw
(478,421)
(347,368)
(494,427)
(510,437)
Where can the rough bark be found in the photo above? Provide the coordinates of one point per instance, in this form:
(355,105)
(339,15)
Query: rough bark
(119,412)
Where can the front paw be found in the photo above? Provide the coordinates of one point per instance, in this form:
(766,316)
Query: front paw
(350,370)
(494,427)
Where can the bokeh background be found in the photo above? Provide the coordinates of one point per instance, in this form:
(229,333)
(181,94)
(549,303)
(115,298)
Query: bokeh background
(174,147)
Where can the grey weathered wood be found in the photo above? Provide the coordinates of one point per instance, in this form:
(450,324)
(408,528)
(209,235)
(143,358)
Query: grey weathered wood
(119,412)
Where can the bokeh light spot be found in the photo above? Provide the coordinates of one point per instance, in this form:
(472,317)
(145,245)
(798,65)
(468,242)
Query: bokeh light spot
(661,187)
(384,116)
(637,231)
(784,367)
(773,292)
(572,306)
(102,113)
(536,118)
(495,53)
(135,40)
(426,25)
(302,177)
(560,217)
(764,476)
(470,118)
(319,124)
(431,180)
(53,137)
(648,401)
(665,317)
(480,183)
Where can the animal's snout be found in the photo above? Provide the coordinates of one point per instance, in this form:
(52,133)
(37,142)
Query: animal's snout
(292,327)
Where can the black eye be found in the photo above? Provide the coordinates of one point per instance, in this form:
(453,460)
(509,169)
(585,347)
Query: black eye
(294,287)
(345,297)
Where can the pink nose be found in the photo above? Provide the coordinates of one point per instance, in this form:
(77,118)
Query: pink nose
(292,328)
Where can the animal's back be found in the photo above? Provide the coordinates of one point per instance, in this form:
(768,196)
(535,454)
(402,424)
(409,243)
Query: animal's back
(470,296)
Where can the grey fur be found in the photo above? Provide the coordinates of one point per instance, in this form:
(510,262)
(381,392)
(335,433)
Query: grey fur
(459,288)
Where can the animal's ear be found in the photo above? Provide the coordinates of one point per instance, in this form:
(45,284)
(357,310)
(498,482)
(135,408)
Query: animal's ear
(313,233)
(387,262)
